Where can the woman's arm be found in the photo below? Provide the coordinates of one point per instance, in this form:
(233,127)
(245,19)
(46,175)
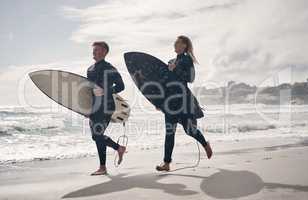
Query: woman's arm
(185,70)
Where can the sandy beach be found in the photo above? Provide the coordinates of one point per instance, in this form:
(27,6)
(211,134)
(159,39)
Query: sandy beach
(142,73)
(245,169)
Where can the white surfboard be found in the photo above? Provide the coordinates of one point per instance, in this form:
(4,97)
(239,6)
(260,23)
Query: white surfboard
(75,93)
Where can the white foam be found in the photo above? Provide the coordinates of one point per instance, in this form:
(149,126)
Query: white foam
(26,135)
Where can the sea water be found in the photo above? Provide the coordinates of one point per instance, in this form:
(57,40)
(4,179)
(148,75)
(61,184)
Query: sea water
(28,134)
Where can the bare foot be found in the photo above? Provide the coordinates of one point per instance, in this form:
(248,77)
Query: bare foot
(121,152)
(208,150)
(101,171)
(163,167)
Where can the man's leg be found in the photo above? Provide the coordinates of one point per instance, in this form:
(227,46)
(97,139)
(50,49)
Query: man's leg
(101,149)
(99,127)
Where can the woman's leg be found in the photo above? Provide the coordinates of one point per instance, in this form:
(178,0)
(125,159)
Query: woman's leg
(191,129)
(170,126)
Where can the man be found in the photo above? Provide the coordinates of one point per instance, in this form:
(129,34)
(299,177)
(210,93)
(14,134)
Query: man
(107,82)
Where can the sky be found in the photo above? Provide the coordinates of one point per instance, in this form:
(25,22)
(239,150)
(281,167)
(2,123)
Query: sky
(260,42)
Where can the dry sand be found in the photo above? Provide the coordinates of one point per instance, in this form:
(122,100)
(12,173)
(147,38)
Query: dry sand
(247,169)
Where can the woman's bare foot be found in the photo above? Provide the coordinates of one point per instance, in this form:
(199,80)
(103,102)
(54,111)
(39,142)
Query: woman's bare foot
(101,171)
(121,151)
(208,150)
(163,167)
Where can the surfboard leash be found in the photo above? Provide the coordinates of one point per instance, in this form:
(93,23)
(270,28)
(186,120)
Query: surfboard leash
(192,166)
(123,141)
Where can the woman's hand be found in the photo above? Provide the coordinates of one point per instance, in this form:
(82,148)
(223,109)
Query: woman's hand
(98,91)
(171,66)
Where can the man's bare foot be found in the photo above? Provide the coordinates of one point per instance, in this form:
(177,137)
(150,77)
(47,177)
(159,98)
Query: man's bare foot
(163,167)
(208,150)
(101,171)
(121,151)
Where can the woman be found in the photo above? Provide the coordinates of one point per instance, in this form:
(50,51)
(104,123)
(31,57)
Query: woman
(181,106)
(108,81)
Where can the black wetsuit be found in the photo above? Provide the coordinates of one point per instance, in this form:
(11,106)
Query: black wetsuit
(186,106)
(107,77)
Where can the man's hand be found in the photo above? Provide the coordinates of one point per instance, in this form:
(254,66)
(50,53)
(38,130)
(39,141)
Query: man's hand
(171,66)
(98,91)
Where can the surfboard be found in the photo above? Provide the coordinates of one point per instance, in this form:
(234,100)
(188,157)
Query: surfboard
(151,76)
(75,93)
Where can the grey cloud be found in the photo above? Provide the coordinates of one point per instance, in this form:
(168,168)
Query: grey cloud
(225,38)
(219,6)
(249,45)
(146,18)
(227,60)
(111,40)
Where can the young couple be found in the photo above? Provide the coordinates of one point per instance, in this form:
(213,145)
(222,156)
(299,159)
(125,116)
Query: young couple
(108,81)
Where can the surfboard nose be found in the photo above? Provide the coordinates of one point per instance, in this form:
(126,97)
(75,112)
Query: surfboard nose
(128,56)
(32,74)
(133,55)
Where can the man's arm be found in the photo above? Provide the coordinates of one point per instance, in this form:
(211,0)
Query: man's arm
(118,84)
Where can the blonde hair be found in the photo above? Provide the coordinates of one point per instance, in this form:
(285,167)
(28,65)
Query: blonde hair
(189,47)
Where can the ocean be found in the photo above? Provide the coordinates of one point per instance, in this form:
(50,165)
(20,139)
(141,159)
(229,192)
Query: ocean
(42,133)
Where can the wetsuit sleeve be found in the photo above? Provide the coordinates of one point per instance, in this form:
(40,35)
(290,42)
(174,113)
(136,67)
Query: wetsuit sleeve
(118,84)
(185,70)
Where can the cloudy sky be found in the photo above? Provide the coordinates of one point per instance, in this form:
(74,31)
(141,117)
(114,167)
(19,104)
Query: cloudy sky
(242,40)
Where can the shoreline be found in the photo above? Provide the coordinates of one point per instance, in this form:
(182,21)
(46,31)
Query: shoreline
(253,142)
(272,169)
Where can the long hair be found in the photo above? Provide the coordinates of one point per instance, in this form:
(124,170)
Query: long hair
(189,47)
